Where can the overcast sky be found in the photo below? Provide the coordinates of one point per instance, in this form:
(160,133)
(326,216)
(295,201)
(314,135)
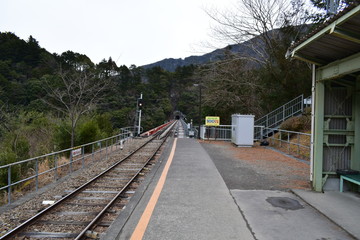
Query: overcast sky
(130,31)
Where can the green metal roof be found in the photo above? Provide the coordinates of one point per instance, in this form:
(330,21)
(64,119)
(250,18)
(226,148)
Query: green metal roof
(338,39)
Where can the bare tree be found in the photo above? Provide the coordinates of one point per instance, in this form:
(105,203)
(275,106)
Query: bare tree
(265,30)
(230,87)
(73,93)
(253,22)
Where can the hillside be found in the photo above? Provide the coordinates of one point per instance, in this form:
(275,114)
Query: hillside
(170,64)
(242,49)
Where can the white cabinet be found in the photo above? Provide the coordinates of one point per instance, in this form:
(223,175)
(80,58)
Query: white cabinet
(242,132)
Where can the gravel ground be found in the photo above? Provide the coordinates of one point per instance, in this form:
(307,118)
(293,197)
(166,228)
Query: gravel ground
(257,167)
(12,215)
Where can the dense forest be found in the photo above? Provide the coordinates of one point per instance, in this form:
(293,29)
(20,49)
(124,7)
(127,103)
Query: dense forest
(53,101)
(43,95)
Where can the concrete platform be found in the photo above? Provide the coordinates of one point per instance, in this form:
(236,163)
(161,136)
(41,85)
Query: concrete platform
(195,203)
(277,215)
(342,208)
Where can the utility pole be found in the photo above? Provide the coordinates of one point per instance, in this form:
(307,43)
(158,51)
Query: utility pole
(137,123)
(140,103)
(200,113)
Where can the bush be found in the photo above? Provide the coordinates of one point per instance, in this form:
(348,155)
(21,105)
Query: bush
(120,118)
(297,124)
(62,136)
(22,148)
(28,134)
(7,157)
(39,131)
(292,124)
(88,132)
(104,123)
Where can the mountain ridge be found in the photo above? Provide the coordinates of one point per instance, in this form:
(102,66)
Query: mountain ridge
(244,49)
(170,64)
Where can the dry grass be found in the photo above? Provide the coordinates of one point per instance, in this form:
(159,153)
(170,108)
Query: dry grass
(293,148)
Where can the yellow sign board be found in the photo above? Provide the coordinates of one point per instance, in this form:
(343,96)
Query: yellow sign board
(212,121)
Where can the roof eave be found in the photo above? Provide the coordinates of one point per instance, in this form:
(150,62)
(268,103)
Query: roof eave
(332,28)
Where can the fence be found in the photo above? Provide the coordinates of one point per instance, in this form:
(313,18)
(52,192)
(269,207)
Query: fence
(294,143)
(130,130)
(39,171)
(222,132)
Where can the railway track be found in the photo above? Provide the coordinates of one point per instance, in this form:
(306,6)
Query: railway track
(87,212)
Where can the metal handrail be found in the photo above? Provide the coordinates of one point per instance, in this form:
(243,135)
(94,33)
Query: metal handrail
(116,141)
(287,141)
(284,109)
(279,115)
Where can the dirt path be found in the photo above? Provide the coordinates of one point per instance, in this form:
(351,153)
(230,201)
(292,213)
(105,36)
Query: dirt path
(257,167)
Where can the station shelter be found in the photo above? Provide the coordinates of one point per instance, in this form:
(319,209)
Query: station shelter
(333,50)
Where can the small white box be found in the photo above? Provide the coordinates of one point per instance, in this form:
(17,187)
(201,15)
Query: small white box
(242,132)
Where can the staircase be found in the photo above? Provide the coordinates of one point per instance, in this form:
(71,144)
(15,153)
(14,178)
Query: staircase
(275,118)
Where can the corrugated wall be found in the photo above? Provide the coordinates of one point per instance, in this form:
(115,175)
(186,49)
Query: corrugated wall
(336,158)
(337,112)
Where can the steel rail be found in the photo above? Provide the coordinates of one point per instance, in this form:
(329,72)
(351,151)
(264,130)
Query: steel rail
(83,233)
(16,230)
